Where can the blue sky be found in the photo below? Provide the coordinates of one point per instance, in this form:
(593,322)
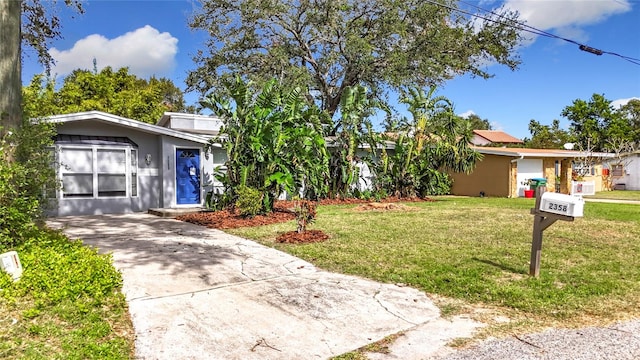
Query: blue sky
(152,38)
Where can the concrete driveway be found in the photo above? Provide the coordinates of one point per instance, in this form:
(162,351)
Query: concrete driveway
(198,293)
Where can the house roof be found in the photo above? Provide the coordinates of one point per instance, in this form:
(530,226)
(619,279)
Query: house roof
(539,153)
(496,136)
(130,123)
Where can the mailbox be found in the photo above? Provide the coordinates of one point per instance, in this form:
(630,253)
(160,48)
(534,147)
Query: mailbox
(562,204)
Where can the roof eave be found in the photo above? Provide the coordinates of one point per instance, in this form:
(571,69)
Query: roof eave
(122,121)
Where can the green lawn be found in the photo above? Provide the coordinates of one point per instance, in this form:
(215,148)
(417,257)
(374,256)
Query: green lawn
(475,252)
(617,195)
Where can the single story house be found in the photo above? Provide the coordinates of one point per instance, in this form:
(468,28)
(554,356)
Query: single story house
(111,164)
(505,172)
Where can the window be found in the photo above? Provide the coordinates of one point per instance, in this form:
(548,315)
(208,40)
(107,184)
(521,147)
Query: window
(584,168)
(134,172)
(617,170)
(77,172)
(112,172)
(98,171)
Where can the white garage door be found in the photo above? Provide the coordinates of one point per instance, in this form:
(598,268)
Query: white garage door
(527,169)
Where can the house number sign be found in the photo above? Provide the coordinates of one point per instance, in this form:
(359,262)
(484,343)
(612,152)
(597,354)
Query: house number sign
(557,207)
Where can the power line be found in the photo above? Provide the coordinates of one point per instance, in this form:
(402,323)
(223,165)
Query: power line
(530,29)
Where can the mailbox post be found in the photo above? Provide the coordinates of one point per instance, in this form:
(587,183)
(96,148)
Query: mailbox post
(549,208)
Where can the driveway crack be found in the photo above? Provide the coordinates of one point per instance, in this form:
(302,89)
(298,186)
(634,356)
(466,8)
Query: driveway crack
(375,296)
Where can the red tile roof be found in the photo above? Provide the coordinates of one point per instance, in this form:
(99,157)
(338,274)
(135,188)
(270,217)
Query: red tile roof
(496,136)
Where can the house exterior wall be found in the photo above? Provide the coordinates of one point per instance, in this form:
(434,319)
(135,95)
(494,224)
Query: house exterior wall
(565,176)
(513,179)
(631,172)
(491,176)
(218,159)
(197,125)
(148,174)
(365,176)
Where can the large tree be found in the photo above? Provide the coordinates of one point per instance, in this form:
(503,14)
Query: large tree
(478,123)
(326,46)
(595,122)
(36,24)
(547,136)
(10,99)
(631,112)
(115,92)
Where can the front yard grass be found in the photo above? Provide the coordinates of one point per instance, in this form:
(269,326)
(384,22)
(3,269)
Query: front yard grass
(472,253)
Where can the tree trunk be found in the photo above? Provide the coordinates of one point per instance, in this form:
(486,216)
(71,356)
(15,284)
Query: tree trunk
(10,66)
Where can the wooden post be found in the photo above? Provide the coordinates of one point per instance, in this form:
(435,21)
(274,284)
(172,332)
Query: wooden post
(541,221)
(536,243)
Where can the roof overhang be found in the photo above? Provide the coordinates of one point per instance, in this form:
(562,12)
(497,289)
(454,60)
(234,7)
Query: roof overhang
(125,122)
(540,153)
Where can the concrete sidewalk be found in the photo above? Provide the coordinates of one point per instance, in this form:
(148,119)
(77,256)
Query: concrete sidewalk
(612,201)
(198,293)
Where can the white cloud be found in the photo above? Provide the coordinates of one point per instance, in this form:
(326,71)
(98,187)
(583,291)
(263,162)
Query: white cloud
(145,51)
(466,114)
(566,17)
(496,126)
(617,104)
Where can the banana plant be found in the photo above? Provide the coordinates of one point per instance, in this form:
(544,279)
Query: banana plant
(273,140)
(352,131)
(431,143)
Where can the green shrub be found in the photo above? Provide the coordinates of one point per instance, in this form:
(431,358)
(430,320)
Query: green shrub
(435,183)
(249,202)
(55,269)
(66,305)
(17,209)
(25,174)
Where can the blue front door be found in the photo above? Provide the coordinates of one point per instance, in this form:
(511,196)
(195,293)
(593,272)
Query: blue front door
(187,176)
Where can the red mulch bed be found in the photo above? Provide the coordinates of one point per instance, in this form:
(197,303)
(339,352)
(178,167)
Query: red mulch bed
(283,212)
(226,219)
(306,237)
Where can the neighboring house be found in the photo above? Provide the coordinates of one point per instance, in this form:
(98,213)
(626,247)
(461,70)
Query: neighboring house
(110,164)
(624,173)
(493,138)
(504,172)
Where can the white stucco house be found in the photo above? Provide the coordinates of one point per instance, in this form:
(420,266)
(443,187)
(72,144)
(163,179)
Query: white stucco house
(625,172)
(111,164)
